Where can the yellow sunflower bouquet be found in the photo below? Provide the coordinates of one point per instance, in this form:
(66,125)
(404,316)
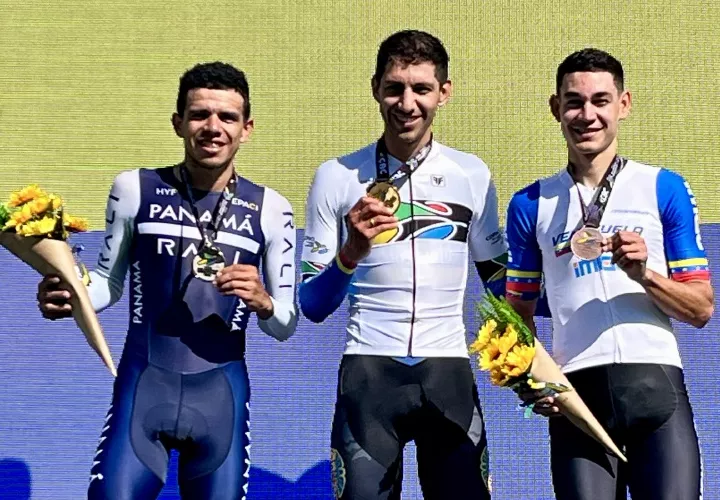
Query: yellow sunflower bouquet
(35,227)
(507,349)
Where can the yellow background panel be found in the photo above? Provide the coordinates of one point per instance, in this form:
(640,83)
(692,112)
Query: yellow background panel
(87,88)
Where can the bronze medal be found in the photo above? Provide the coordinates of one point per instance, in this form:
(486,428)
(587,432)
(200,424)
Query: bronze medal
(386,193)
(586,243)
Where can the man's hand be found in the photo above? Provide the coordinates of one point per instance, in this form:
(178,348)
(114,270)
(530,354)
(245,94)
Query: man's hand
(629,253)
(543,403)
(367,219)
(244,281)
(53,300)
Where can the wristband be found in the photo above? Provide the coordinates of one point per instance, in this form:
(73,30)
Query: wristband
(346,265)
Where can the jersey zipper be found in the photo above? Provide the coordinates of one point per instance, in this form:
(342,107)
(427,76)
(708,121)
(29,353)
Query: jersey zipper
(414,268)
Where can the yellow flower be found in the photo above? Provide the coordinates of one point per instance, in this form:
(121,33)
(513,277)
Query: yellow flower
(506,341)
(487,331)
(25,194)
(497,377)
(19,217)
(38,206)
(494,353)
(40,227)
(519,360)
(56,201)
(488,356)
(75,224)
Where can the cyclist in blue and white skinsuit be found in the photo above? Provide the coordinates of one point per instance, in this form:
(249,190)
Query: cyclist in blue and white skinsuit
(405,374)
(612,333)
(182,381)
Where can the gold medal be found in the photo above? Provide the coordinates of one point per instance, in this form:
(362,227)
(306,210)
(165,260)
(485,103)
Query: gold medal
(386,193)
(586,243)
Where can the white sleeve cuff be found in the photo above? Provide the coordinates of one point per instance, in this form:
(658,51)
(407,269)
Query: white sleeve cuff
(281,325)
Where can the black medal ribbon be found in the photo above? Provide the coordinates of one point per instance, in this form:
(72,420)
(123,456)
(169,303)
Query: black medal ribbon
(382,163)
(200,296)
(209,232)
(592,214)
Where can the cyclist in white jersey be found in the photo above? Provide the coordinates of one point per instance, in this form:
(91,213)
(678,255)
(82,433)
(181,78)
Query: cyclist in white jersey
(405,374)
(618,245)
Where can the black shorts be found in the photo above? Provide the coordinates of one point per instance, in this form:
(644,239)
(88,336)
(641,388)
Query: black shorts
(383,404)
(645,409)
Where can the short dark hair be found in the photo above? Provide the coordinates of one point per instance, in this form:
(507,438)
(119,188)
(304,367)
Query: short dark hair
(412,47)
(216,76)
(590,60)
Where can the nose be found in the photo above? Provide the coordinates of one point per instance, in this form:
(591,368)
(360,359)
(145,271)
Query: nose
(212,124)
(588,112)
(407,101)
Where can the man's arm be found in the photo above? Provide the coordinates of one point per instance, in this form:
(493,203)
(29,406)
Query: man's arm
(489,247)
(279,266)
(324,282)
(691,302)
(107,280)
(524,268)
(687,294)
(492,274)
(327,272)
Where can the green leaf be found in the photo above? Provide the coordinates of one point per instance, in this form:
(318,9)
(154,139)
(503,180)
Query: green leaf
(500,311)
(4,214)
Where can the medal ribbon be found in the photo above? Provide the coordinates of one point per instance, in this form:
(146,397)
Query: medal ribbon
(221,207)
(382,163)
(592,214)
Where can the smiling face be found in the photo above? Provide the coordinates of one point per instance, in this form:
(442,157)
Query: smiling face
(409,96)
(212,127)
(589,107)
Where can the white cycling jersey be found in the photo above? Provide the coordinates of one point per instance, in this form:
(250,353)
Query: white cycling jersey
(600,315)
(406,297)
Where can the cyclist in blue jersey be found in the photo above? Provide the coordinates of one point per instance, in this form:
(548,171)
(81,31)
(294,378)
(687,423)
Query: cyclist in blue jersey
(393,226)
(618,245)
(193,237)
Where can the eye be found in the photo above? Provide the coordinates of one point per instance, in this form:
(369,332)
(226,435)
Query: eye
(228,117)
(394,89)
(574,104)
(198,114)
(422,89)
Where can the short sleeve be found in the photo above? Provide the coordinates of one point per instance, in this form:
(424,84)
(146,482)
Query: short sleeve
(524,268)
(680,219)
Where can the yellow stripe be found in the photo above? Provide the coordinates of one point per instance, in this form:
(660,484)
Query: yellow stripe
(688,262)
(523,274)
(344,269)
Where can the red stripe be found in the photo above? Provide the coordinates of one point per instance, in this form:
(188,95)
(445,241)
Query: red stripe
(522,287)
(691,275)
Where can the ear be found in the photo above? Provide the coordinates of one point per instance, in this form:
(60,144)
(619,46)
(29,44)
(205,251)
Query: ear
(625,104)
(375,86)
(177,124)
(445,93)
(248,127)
(554,103)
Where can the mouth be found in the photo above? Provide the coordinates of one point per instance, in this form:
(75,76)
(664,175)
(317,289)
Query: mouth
(585,133)
(211,146)
(406,121)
